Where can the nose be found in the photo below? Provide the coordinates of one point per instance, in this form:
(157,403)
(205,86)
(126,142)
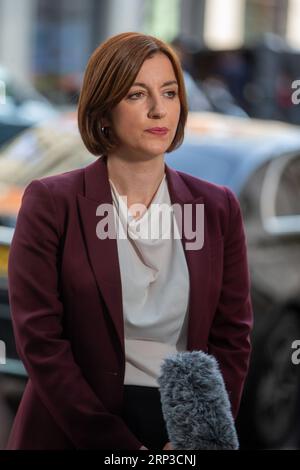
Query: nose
(157,108)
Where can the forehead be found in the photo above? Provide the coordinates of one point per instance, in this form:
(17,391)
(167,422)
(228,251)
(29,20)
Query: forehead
(158,67)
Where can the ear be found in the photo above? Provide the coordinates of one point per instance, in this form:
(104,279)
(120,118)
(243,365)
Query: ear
(105,121)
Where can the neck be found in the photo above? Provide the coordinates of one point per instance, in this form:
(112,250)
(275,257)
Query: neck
(138,180)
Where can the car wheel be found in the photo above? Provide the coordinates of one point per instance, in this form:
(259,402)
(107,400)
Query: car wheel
(275,382)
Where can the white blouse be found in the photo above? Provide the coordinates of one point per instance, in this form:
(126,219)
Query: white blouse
(155,286)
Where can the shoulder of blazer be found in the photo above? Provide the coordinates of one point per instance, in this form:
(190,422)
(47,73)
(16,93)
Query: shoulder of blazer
(58,192)
(219,201)
(211,192)
(66,184)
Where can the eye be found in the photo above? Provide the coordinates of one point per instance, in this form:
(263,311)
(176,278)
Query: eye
(137,94)
(134,96)
(173,93)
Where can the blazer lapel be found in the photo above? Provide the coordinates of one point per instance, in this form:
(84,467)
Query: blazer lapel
(103,254)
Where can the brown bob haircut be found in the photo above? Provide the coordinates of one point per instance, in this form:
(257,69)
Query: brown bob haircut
(110,72)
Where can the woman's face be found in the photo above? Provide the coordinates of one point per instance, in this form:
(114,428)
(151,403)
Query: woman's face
(151,102)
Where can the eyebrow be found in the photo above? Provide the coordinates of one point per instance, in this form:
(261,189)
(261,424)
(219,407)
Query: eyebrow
(170,82)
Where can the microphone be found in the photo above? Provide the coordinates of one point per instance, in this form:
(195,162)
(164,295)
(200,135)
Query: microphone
(195,404)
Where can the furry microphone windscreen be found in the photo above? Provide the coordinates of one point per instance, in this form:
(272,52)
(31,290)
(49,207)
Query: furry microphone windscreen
(195,403)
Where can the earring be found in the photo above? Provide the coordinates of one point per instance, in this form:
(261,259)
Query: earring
(105,131)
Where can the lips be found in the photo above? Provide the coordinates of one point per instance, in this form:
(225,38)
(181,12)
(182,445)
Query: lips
(158,130)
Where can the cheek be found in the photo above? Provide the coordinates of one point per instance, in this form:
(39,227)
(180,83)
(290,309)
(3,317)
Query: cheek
(174,111)
(131,127)
(124,124)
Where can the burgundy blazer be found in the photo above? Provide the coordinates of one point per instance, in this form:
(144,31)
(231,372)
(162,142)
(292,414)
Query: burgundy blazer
(66,305)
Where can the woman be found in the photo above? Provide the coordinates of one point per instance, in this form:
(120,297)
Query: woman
(95,313)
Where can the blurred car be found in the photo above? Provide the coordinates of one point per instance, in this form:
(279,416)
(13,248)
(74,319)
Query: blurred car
(260,162)
(21,106)
(13,382)
(44,149)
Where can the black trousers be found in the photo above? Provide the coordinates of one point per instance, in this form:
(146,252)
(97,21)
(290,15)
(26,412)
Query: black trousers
(143,415)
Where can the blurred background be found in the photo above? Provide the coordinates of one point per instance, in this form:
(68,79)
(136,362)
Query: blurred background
(241,61)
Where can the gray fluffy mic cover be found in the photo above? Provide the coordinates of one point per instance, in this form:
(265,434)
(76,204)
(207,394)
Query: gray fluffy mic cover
(195,403)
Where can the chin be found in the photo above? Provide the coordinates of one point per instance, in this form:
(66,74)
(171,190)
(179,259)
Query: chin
(148,152)
(157,151)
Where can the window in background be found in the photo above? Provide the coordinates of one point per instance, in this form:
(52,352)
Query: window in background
(63,33)
(224,24)
(292,28)
(162,18)
(264,16)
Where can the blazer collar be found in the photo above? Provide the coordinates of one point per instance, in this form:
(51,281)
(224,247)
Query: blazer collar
(103,254)
(97,187)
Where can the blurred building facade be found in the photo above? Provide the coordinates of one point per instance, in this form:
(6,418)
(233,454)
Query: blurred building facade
(48,42)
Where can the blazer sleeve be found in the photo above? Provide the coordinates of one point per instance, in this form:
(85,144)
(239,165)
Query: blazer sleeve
(37,315)
(229,339)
